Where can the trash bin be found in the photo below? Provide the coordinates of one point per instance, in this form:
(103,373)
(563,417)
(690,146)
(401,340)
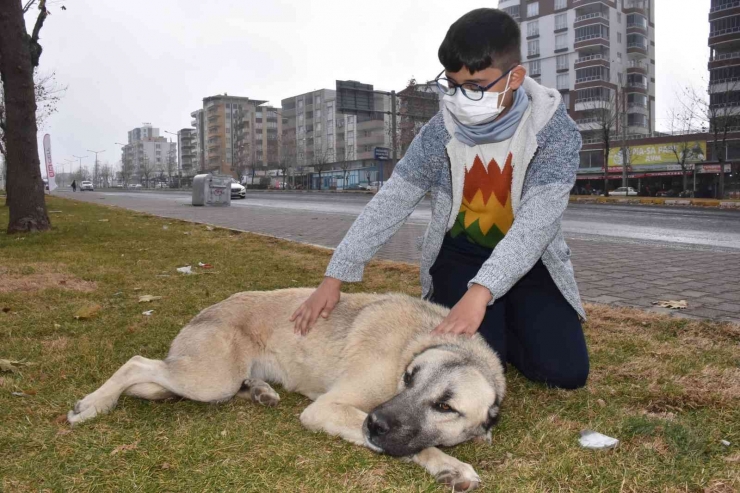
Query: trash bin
(200,187)
(218,192)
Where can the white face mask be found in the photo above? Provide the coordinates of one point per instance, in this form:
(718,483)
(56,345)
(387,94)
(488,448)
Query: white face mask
(469,112)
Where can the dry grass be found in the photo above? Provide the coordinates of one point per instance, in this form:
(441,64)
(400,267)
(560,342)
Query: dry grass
(668,389)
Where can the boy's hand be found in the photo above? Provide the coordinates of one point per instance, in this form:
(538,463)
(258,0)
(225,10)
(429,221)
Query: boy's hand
(321,302)
(467,315)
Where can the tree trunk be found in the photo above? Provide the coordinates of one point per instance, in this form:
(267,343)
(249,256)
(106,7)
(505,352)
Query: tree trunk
(685,178)
(25,187)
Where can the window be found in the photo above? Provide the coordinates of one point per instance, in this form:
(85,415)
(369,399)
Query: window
(637,120)
(561,21)
(561,4)
(563,81)
(591,74)
(636,41)
(566,100)
(535,68)
(619,77)
(619,56)
(637,80)
(561,42)
(330,105)
(318,127)
(592,159)
(636,20)
(619,17)
(513,11)
(619,37)
(533,9)
(300,104)
(533,47)
(591,32)
(330,127)
(300,129)
(562,62)
(533,28)
(317,114)
(350,134)
(639,100)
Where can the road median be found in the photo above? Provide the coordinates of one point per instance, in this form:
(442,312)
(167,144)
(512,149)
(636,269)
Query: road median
(667,201)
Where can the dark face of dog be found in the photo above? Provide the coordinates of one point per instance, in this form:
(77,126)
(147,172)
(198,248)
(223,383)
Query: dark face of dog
(442,401)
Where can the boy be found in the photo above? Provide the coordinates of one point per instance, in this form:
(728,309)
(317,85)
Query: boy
(500,159)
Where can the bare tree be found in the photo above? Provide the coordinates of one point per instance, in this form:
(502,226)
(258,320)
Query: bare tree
(718,110)
(683,121)
(287,156)
(322,161)
(419,103)
(126,172)
(605,118)
(344,164)
(105,174)
(171,167)
(146,169)
(19,56)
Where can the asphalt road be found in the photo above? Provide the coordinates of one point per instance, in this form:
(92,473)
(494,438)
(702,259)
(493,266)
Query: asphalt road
(710,229)
(628,255)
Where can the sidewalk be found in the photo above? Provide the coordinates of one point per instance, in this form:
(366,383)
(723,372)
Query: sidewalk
(686,202)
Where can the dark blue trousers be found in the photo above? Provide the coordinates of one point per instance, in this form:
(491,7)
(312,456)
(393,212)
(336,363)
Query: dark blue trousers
(531,327)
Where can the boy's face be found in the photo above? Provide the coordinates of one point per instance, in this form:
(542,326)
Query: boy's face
(486,76)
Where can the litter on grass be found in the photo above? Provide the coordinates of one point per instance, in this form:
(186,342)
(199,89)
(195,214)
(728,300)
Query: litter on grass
(185,270)
(147,313)
(597,441)
(672,304)
(205,266)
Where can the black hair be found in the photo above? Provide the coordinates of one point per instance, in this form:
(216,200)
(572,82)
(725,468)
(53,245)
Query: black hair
(480,39)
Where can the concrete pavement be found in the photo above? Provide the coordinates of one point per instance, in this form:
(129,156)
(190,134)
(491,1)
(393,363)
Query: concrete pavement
(623,255)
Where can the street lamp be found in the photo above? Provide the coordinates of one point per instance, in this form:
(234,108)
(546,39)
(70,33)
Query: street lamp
(179,166)
(95,169)
(79,170)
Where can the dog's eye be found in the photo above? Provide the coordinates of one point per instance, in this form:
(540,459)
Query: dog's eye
(443,407)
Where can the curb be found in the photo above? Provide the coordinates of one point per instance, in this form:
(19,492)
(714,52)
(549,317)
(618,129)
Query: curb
(721,204)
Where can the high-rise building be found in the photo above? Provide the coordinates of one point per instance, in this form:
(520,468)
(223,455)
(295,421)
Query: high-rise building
(188,151)
(236,135)
(197,123)
(724,59)
(596,52)
(147,152)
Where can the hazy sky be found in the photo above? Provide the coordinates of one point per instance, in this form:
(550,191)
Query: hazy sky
(134,61)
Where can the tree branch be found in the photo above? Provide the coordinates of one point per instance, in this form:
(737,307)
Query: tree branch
(28,5)
(34,42)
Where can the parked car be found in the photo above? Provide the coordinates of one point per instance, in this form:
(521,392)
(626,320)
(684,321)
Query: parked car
(623,191)
(356,186)
(46,183)
(86,185)
(238,191)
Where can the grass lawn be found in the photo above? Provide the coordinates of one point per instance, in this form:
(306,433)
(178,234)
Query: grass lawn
(668,389)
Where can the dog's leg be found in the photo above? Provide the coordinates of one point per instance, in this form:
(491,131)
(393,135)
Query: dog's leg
(149,391)
(447,470)
(335,418)
(259,391)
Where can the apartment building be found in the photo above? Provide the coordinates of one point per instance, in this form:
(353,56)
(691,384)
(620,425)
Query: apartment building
(598,53)
(724,58)
(187,151)
(147,148)
(321,138)
(236,135)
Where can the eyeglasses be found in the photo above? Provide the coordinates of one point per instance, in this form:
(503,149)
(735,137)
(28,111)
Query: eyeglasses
(470,90)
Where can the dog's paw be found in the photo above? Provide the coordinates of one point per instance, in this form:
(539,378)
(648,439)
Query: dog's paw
(262,393)
(463,478)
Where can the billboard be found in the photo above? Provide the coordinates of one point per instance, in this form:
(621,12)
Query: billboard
(354,97)
(659,153)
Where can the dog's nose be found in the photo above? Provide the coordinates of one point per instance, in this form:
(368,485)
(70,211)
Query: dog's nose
(377,425)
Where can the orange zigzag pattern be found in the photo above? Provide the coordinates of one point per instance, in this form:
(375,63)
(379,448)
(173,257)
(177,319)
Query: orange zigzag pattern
(477,191)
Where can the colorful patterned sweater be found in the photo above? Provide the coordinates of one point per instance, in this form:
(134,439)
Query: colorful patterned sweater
(485,214)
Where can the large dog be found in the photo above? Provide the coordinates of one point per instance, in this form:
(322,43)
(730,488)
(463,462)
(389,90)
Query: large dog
(377,376)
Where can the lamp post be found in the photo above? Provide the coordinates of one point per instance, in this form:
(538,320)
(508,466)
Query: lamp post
(124,177)
(95,169)
(179,150)
(79,170)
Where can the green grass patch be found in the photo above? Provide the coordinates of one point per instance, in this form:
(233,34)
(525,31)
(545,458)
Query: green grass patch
(668,389)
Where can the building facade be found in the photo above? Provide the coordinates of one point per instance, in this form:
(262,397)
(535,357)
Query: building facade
(236,135)
(187,150)
(332,149)
(147,153)
(600,54)
(724,59)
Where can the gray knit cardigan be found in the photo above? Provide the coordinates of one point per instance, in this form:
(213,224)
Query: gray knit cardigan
(546,155)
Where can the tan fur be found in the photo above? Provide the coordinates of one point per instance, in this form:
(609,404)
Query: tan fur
(348,364)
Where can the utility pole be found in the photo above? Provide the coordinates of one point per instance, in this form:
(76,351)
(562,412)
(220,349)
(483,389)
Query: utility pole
(95,169)
(79,170)
(394,129)
(625,153)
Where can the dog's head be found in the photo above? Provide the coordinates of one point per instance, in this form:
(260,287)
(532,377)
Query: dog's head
(445,397)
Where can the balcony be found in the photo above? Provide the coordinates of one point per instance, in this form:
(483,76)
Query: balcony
(595,103)
(592,78)
(593,15)
(724,6)
(589,124)
(725,56)
(636,108)
(722,32)
(635,5)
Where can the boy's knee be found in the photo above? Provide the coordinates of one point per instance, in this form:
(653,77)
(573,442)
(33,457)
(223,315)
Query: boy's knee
(570,378)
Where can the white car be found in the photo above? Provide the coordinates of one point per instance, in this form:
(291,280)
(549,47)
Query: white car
(623,191)
(238,191)
(86,185)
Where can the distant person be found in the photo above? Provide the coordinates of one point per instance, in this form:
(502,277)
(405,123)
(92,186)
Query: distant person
(74,186)
(499,159)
